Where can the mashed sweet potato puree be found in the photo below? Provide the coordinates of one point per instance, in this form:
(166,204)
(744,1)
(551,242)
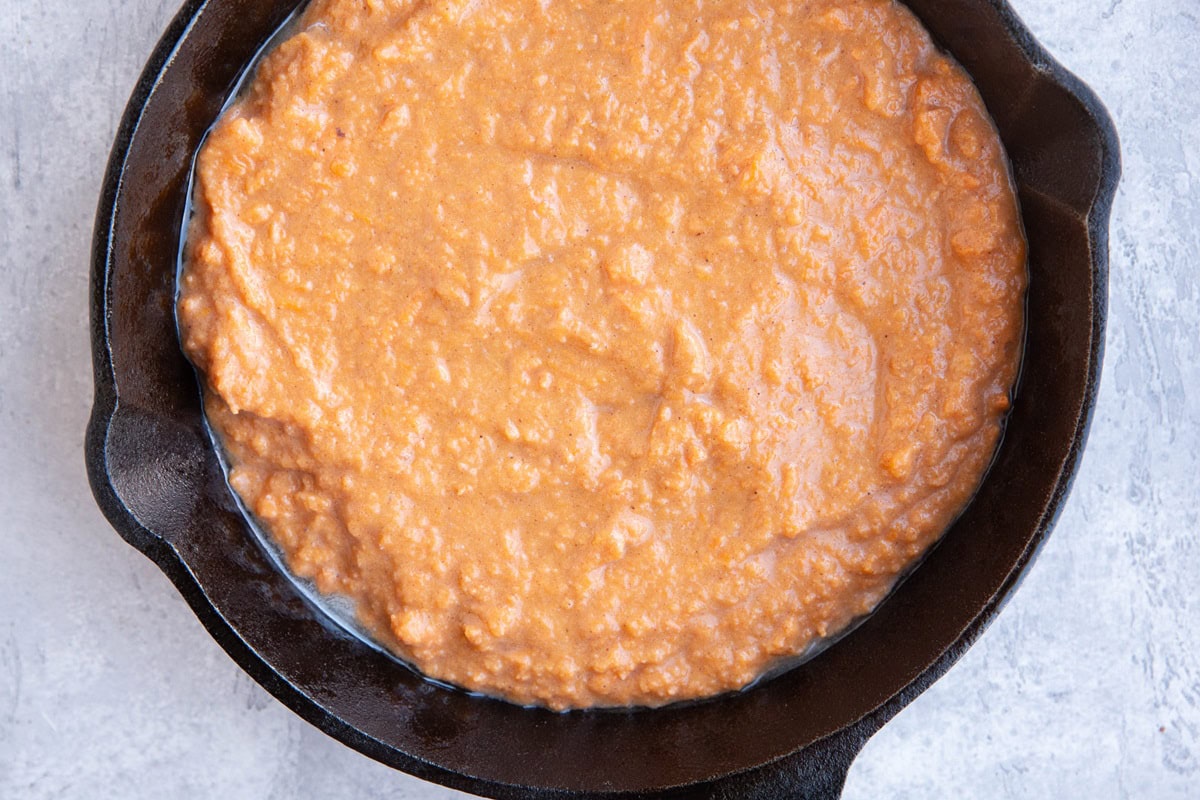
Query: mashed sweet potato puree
(605,353)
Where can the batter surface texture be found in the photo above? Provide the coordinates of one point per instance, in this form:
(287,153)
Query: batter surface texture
(605,353)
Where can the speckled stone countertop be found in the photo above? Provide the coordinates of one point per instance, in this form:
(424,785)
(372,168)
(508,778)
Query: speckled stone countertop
(1088,684)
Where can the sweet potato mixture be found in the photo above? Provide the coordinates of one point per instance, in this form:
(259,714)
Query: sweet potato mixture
(605,353)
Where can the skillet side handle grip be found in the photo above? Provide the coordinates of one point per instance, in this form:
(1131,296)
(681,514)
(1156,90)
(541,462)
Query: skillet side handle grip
(818,772)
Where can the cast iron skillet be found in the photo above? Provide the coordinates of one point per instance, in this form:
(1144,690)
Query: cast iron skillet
(158,481)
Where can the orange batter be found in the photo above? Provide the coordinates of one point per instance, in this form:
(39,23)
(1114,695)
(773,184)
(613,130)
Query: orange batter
(605,353)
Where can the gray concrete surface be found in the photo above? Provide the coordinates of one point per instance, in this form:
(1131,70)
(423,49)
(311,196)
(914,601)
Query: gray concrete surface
(1087,686)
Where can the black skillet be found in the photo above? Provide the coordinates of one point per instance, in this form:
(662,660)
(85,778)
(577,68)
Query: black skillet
(157,479)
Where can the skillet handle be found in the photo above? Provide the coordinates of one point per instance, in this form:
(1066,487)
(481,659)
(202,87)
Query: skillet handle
(818,772)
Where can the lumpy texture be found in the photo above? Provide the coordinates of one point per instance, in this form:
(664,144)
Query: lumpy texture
(605,353)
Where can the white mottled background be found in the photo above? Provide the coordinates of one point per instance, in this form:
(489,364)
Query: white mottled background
(1088,685)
